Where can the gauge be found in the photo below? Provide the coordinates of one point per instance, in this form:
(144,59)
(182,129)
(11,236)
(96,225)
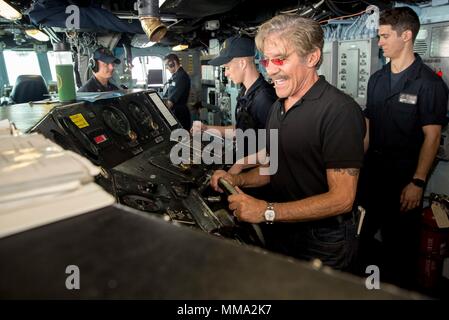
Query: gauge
(141,116)
(138,113)
(82,138)
(117,121)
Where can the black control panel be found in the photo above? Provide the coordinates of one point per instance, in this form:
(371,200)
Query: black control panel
(109,131)
(129,136)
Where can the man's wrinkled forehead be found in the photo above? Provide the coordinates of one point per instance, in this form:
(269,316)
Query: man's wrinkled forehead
(275,44)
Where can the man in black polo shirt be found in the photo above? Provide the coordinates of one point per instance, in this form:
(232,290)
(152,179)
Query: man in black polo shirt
(178,90)
(406,108)
(256,95)
(320,151)
(102,64)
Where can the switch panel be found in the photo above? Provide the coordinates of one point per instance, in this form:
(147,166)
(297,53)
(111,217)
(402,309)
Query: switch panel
(357,60)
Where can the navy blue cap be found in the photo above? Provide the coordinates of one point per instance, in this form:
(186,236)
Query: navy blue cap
(105,55)
(234,47)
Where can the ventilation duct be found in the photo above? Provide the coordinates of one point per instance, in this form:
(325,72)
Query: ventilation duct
(149,18)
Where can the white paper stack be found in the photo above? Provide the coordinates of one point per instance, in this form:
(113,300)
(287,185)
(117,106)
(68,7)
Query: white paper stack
(41,183)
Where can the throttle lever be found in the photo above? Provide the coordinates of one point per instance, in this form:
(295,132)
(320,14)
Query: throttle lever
(226,186)
(229,189)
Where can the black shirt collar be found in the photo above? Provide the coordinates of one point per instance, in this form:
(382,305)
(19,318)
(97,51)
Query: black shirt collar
(253,87)
(106,88)
(177,73)
(412,72)
(316,90)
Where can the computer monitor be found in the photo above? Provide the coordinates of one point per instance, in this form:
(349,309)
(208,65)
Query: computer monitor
(155,77)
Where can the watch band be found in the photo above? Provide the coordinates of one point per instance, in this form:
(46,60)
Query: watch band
(419,182)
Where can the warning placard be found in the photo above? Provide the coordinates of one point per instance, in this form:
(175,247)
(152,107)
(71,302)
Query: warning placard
(79,120)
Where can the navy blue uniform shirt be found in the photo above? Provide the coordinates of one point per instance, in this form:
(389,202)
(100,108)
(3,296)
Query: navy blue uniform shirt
(93,85)
(257,101)
(398,114)
(178,93)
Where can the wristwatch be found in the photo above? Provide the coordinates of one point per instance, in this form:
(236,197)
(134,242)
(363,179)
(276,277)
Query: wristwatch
(419,182)
(269,214)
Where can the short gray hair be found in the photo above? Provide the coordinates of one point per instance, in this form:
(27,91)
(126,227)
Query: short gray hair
(306,35)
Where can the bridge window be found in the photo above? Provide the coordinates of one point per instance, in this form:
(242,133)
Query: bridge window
(149,70)
(20,62)
(65,58)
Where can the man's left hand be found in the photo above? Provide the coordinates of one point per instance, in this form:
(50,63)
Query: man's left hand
(411,197)
(247,208)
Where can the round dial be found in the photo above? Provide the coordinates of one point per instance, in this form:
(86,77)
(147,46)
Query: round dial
(141,116)
(117,121)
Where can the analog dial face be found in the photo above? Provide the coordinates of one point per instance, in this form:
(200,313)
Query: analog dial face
(117,121)
(141,116)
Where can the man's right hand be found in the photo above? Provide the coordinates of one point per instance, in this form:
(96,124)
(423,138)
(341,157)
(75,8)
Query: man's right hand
(221,174)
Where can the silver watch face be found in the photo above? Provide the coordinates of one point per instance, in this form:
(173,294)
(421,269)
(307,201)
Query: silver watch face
(269,215)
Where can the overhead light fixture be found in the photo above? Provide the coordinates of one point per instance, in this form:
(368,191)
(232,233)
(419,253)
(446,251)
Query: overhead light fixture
(8,12)
(150,20)
(37,34)
(180,47)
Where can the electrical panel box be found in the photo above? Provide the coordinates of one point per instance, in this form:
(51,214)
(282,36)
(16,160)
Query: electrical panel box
(328,67)
(357,60)
(432,44)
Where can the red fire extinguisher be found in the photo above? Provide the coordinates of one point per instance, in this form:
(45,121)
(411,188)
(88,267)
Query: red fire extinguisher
(433,249)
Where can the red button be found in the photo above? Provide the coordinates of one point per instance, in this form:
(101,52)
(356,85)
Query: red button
(440,73)
(101,138)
